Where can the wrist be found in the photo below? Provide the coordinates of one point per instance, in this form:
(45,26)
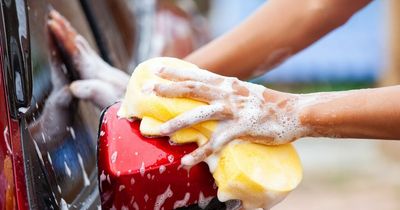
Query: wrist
(317,115)
(307,119)
(290,114)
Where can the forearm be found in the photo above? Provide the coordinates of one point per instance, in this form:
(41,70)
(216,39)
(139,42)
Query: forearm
(368,113)
(280,28)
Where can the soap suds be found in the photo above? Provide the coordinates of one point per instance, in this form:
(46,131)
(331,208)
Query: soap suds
(5,135)
(161,169)
(142,169)
(114,157)
(183,202)
(170,158)
(67,169)
(160,200)
(85,176)
(103,177)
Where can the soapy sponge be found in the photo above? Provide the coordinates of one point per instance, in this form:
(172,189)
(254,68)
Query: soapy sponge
(258,175)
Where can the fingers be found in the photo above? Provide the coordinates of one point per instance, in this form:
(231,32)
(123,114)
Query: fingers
(84,47)
(189,89)
(66,34)
(198,75)
(60,98)
(194,116)
(197,155)
(212,146)
(63,32)
(98,92)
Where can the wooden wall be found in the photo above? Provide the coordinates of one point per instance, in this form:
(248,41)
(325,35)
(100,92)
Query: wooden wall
(392,75)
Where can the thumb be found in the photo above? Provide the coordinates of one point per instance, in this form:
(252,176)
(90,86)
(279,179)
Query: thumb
(97,92)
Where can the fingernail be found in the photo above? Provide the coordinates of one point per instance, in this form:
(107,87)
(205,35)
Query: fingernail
(55,13)
(80,90)
(50,22)
(187,160)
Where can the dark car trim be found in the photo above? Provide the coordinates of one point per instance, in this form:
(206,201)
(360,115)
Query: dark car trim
(18,75)
(99,38)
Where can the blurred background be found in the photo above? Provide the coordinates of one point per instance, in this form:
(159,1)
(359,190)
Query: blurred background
(365,52)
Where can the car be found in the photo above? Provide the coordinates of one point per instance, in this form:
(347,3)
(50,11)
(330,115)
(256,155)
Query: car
(49,141)
(48,150)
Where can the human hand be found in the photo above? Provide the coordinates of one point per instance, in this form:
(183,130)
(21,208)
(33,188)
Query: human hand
(244,110)
(99,82)
(50,128)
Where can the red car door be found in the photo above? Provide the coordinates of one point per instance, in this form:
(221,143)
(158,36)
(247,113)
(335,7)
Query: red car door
(7,192)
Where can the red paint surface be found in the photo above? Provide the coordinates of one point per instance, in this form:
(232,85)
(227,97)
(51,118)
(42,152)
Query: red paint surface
(122,151)
(7,187)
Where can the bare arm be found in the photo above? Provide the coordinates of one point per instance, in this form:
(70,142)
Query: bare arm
(255,113)
(279,29)
(368,113)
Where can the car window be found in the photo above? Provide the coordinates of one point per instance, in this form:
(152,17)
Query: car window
(133,31)
(114,25)
(59,131)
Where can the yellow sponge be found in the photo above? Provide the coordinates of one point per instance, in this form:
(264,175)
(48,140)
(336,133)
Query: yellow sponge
(258,175)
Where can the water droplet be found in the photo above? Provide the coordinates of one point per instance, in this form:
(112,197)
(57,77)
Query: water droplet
(67,169)
(162,169)
(85,176)
(121,187)
(114,157)
(170,158)
(142,169)
(102,133)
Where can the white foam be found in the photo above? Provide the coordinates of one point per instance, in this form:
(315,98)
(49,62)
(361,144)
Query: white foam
(135,206)
(5,135)
(160,200)
(63,205)
(23,110)
(102,133)
(142,169)
(67,169)
(38,152)
(49,158)
(171,158)
(161,169)
(85,176)
(121,187)
(103,177)
(183,202)
(212,161)
(114,157)
(71,131)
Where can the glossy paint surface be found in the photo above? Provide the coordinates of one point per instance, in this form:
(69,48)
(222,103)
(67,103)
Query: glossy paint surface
(138,172)
(7,191)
